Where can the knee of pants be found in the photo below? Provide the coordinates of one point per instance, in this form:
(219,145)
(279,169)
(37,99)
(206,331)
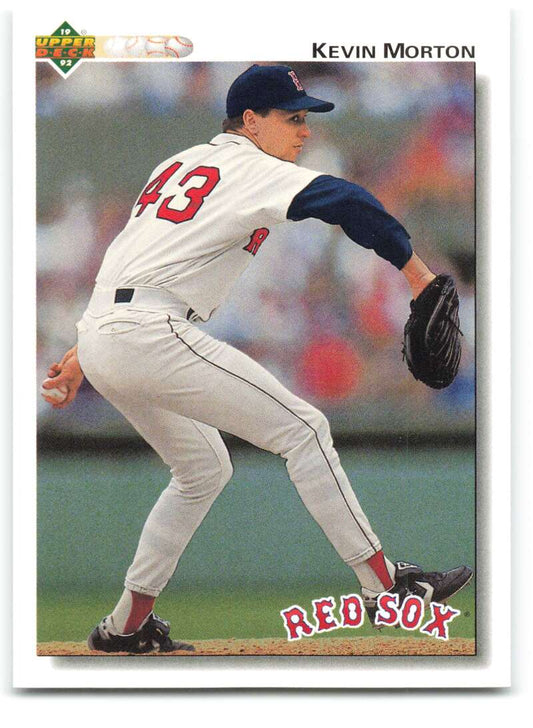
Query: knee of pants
(226,470)
(312,426)
(201,479)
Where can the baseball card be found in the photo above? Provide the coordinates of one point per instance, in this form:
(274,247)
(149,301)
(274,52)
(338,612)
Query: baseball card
(253,266)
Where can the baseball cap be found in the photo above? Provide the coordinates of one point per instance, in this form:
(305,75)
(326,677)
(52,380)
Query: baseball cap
(270,87)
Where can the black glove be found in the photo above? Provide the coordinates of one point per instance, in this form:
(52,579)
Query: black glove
(432,348)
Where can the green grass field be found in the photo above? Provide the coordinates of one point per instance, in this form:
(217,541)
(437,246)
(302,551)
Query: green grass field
(258,550)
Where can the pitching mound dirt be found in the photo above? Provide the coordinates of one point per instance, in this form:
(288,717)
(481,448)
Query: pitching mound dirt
(333,646)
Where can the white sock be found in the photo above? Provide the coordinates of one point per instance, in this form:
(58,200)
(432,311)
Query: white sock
(120,614)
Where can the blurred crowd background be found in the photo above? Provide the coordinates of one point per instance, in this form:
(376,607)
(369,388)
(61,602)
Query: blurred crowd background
(323,314)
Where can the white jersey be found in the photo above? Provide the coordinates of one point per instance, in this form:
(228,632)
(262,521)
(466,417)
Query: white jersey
(200,220)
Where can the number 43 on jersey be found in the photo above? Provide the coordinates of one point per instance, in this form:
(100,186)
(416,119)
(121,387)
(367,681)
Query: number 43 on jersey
(152,193)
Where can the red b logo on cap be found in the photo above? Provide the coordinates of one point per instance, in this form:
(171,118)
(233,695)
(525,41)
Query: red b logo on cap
(296,81)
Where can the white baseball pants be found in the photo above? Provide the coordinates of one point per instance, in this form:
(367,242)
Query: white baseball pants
(178,386)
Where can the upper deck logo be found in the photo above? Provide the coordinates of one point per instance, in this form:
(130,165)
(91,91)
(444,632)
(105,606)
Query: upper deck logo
(65,47)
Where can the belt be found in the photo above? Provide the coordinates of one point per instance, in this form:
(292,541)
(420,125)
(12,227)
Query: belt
(104,299)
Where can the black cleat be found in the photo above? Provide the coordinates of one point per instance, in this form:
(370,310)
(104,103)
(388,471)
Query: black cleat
(431,586)
(153,636)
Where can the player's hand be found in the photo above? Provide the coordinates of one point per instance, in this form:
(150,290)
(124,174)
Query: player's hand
(68,374)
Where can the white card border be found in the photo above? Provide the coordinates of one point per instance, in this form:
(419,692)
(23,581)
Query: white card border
(32,671)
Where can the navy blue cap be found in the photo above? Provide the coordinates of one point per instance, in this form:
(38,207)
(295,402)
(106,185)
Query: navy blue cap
(270,87)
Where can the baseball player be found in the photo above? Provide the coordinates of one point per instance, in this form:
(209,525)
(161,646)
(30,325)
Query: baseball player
(198,223)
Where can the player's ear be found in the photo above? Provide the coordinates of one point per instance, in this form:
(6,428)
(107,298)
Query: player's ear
(249,119)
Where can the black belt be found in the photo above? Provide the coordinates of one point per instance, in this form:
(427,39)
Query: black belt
(125,295)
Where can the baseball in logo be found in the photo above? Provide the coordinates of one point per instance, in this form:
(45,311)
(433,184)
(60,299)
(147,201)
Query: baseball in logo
(167,47)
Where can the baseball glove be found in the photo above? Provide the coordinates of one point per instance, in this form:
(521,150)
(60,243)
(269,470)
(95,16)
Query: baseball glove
(432,347)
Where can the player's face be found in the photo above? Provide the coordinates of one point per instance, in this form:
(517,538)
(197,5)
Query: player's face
(282,133)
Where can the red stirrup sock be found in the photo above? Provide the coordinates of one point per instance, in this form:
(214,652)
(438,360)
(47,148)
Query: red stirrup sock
(376,573)
(131,611)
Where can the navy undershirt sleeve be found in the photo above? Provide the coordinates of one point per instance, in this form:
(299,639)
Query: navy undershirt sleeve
(362,217)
